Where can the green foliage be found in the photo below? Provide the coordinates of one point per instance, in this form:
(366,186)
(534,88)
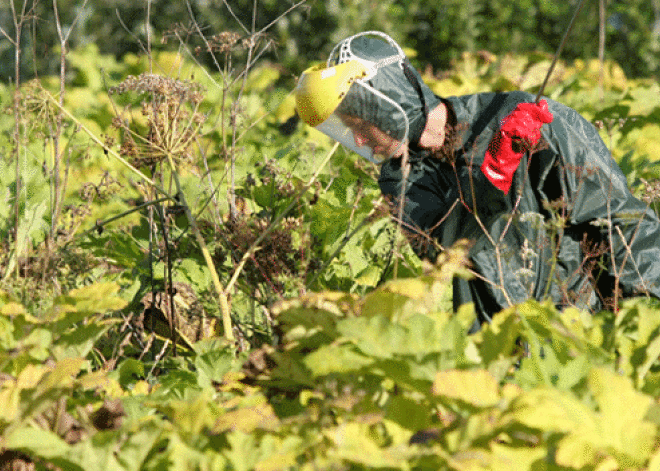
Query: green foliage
(348,355)
(387,380)
(405,374)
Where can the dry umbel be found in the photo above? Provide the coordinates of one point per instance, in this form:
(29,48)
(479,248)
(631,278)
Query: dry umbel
(170,110)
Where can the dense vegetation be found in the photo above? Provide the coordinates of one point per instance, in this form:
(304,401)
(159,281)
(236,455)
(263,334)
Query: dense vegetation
(191,280)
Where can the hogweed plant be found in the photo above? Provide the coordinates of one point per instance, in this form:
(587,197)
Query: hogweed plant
(161,131)
(170,108)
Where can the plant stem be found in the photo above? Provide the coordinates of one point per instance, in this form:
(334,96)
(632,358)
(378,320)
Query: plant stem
(105,148)
(559,49)
(99,225)
(601,46)
(405,172)
(222,293)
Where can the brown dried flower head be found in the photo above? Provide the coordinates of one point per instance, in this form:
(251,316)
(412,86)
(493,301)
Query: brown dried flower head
(225,42)
(171,109)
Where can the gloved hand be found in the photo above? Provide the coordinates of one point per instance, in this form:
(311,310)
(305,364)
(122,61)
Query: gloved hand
(520,131)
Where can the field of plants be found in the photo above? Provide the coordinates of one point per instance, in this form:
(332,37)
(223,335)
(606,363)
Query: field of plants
(190,279)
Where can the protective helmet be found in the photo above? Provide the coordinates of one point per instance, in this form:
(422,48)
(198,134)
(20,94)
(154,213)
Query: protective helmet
(367,97)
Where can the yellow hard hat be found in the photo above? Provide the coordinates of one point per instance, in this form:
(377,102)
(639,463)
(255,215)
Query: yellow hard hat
(320,89)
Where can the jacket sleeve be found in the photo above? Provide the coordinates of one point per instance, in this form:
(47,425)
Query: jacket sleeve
(578,167)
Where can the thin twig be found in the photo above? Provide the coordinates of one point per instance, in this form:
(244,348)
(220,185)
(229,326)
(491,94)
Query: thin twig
(632,259)
(601,46)
(222,294)
(58,188)
(405,173)
(99,224)
(559,49)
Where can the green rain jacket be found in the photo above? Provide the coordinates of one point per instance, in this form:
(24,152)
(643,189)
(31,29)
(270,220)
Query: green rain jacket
(569,207)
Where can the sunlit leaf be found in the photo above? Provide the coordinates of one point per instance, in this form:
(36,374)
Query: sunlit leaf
(518,458)
(96,298)
(616,396)
(261,78)
(623,409)
(138,445)
(42,443)
(248,419)
(551,409)
(80,340)
(243,451)
(370,276)
(336,359)
(644,99)
(181,455)
(497,340)
(375,336)
(191,417)
(63,373)
(476,388)
(357,443)
(213,365)
(12,309)
(652,356)
(576,451)
(534,75)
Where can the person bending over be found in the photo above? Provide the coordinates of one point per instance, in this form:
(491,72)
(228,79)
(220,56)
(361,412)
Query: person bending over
(531,185)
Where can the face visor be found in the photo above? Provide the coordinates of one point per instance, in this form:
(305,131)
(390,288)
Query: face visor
(339,99)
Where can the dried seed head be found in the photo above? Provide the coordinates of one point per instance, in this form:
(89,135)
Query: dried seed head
(162,87)
(651,191)
(225,42)
(170,107)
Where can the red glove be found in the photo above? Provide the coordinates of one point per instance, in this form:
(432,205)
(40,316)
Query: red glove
(523,125)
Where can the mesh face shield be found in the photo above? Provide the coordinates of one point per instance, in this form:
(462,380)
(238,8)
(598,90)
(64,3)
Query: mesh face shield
(355,98)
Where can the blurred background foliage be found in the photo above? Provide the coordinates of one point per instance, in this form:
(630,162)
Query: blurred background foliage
(438,31)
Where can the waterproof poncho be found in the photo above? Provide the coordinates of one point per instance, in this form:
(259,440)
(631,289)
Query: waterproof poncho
(567,209)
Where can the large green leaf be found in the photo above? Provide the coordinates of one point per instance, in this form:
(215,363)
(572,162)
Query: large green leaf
(343,358)
(358,443)
(376,336)
(622,411)
(97,298)
(43,444)
(476,388)
(552,410)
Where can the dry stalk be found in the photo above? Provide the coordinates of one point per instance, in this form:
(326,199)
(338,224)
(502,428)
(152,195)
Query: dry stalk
(58,188)
(405,173)
(632,259)
(224,304)
(222,293)
(19,19)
